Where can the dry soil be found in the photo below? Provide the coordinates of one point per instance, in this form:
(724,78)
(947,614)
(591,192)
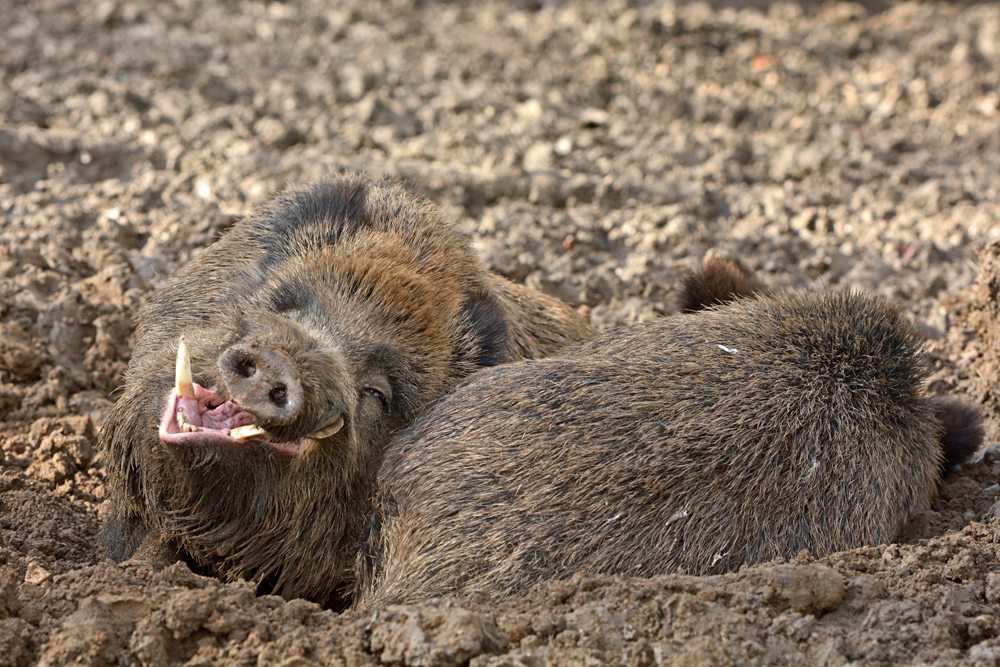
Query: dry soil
(595,150)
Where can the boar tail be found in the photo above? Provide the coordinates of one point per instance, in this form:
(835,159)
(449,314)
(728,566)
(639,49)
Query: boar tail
(961,429)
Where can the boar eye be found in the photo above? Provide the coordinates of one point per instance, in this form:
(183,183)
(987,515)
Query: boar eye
(371,391)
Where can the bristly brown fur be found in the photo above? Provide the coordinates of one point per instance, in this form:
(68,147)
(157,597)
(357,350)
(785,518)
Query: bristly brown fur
(696,443)
(720,280)
(344,281)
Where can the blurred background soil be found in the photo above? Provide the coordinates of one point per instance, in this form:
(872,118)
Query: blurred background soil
(594,150)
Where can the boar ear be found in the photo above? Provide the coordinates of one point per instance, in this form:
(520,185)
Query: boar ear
(490,333)
(720,280)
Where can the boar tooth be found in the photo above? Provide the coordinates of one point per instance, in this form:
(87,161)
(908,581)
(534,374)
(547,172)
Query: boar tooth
(327,431)
(183,424)
(185,386)
(246,432)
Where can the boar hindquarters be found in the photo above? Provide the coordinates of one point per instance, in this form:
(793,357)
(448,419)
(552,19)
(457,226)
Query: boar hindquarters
(699,443)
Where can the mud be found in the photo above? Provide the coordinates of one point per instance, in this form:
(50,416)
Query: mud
(594,150)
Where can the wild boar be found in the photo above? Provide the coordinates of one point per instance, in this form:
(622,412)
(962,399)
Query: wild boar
(697,443)
(313,331)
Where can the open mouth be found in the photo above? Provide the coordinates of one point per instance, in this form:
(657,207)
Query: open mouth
(196,415)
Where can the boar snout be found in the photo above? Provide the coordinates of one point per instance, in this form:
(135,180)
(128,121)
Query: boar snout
(264,382)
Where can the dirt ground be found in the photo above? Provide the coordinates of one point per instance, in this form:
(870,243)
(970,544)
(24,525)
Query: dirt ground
(595,150)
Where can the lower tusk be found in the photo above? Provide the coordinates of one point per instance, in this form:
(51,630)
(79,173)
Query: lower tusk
(329,430)
(182,374)
(246,432)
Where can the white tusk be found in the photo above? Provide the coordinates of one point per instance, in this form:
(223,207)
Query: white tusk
(246,432)
(327,431)
(185,386)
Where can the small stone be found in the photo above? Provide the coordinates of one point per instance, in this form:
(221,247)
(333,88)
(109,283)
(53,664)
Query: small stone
(594,117)
(297,661)
(538,157)
(36,574)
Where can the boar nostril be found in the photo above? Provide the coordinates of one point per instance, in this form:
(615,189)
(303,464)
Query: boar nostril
(279,395)
(246,368)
